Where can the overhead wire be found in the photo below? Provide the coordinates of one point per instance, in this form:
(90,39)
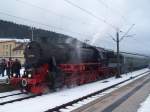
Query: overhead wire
(98,18)
(112,9)
(39,23)
(125,34)
(91,14)
(51,26)
(71,19)
(50,11)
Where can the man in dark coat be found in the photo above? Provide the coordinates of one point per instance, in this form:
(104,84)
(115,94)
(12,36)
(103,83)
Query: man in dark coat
(9,69)
(3,67)
(0,67)
(16,67)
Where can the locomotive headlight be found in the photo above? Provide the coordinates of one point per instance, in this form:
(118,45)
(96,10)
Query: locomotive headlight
(14,75)
(29,75)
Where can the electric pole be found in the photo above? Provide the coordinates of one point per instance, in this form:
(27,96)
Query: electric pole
(118,40)
(86,42)
(32,34)
(10,50)
(118,57)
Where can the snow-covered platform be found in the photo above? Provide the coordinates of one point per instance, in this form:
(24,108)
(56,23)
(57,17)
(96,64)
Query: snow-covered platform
(3,80)
(125,99)
(45,102)
(145,106)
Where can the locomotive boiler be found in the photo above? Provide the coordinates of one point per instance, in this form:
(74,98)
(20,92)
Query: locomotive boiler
(38,53)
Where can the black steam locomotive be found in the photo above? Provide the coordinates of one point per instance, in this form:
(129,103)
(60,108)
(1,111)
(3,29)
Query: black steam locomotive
(55,65)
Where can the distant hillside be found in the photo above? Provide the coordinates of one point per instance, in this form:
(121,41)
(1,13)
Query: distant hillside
(13,30)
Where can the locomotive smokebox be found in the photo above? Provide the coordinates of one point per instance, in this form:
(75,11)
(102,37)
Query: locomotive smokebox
(32,53)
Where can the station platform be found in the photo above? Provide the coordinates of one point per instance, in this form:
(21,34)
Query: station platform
(125,99)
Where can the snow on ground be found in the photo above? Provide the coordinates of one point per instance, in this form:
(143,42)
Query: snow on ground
(45,102)
(3,79)
(145,106)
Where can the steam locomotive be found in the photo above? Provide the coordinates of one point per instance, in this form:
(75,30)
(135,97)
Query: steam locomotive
(51,65)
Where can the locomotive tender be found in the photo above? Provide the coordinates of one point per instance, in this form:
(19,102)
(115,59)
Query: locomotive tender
(56,65)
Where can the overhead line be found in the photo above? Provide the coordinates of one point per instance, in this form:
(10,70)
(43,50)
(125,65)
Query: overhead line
(39,23)
(91,14)
(111,9)
(47,10)
(127,32)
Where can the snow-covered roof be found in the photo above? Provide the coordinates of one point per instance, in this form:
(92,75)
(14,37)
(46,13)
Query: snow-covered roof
(17,40)
(133,55)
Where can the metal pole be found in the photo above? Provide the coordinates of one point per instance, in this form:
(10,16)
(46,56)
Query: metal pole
(10,50)
(118,40)
(32,33)
(118,57)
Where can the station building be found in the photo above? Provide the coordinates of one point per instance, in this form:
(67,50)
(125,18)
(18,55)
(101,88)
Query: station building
(13,48)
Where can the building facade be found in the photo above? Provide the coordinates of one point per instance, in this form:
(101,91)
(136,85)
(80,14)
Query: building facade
(13,49)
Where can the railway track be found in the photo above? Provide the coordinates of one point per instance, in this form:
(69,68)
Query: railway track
(96,94)
(1,97)
(19,99)
(5,88)
(15,97)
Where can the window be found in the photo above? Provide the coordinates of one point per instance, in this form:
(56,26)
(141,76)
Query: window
(6,53)
(6,46)
(20,52)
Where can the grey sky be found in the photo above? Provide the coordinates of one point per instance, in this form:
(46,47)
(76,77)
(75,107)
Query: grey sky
(64,18)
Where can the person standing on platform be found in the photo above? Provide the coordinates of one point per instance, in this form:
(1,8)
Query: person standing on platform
(16,68)
(9,69)
(0,67)
(3,67)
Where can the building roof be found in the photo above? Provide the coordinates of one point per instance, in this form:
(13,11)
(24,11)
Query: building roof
(15,40)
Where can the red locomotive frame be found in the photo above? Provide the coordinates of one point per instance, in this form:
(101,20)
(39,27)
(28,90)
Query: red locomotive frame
(77,74)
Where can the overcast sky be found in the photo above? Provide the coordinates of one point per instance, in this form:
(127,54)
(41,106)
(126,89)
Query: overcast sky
(62,17)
